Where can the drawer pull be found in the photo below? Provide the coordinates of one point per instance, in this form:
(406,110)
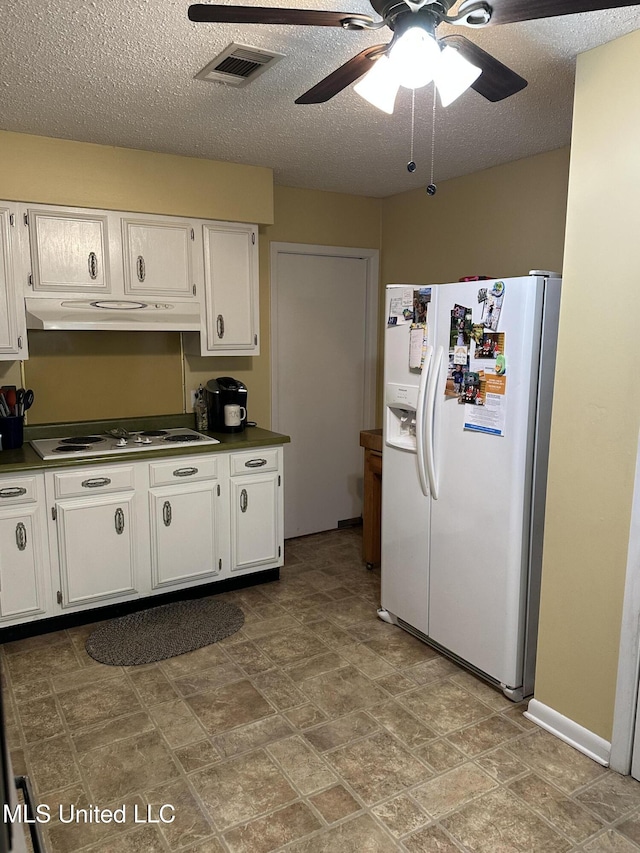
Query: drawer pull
(244,500)
(96,482)
(255,463)
(93,266)
(141,269)
(119,521)
(166,513)
(21,536)
(12,492)
(185,472)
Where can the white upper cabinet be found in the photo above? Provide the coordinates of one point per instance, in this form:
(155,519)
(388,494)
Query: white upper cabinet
(69,250)
(157,257)
(13,339)
(230,289)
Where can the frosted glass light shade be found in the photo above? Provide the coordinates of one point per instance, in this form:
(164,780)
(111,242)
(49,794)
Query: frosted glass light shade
(379,86)
(454,74)
(415,57)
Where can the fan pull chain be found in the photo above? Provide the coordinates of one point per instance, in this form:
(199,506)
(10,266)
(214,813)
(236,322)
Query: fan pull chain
(432,188)
(411,165)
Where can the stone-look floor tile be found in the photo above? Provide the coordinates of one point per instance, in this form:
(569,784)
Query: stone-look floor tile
(377,766)
(367,661)
(432,670)
(185,821)
(208,679)
(52,767)
(446,793)
(491,696)
(249,657)
(40,719)
(330,634)
(401,815)
(631,828)
(337,593)
(351,611)
(497,822)
(335,803)
(242,788)
(18,762)
(516,715)
(315,666)
(402,724)
(271,832)
(565,814)
(176,722)
(341,731)
(95,703)
(444,706)
(152,685)
(400,649)
(61,802)
(67,835)
(253,736)
(39,642)
(145,839)
(305,716)
(111,731)
(308,772)
(197,755)
(193,662)
(136,764)
(270,626)
(42,662)
(229,706)
(612,797)
(434,840)
(356,835)
(484,735)
(344,690)
(396,683)
(610,842)
(211,845)
(556,761)
(30,690)
(82,677)
(292,646)
(278,689)
(501,765)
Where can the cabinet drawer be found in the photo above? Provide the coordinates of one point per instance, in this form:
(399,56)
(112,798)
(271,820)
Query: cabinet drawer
(183,470)
(18,490)
(262,459)
(93,480)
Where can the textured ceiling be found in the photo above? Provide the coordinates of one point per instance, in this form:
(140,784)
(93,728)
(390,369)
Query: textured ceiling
(120,72)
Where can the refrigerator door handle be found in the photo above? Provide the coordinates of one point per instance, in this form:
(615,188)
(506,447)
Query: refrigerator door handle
(430,404)
(420,421)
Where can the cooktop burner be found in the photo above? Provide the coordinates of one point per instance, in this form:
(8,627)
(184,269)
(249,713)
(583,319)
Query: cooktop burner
(78,446)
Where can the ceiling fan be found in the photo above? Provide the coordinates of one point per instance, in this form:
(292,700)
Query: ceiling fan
(491,79)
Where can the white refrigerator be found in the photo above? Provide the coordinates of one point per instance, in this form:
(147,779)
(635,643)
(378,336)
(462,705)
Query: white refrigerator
(468,385)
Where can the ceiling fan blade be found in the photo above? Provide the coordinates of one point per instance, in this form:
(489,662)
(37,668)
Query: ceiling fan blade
(511,11)
(211,14)
(339,79)
(496,81)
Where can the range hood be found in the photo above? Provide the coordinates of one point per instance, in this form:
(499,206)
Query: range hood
(123,315)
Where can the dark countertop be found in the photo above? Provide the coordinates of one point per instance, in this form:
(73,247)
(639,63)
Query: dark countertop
(26,459)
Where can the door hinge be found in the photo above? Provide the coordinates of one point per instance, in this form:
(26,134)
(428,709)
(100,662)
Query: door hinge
(59,597)
(54,513)
(12,219)
(30,280)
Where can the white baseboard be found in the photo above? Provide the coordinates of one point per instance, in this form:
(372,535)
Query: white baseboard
(585,741)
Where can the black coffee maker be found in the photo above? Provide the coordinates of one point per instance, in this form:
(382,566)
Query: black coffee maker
(221,392)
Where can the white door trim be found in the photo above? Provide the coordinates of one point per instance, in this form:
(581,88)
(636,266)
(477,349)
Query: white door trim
(372,257)
(624,717)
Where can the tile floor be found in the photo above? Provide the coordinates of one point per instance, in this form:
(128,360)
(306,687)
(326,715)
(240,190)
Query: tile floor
(315,728)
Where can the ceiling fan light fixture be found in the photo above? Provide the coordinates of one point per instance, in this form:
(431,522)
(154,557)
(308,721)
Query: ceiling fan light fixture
(379,86)
(454,75)
(415,57)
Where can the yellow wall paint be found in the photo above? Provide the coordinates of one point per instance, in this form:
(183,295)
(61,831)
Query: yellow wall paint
(596,412)
(60,171)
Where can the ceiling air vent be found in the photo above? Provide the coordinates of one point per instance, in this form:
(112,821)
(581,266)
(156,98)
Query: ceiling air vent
(238,64)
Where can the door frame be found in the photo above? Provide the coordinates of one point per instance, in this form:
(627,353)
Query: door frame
(371,309)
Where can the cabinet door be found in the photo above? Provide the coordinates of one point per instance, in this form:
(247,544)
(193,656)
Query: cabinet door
(255,522)
(69,251)
(231,289)
(12,333)
(157,257)
(96,548)
(22,563)
(184,535)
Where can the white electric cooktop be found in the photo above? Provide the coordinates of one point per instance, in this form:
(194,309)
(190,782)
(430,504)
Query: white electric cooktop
(103,444)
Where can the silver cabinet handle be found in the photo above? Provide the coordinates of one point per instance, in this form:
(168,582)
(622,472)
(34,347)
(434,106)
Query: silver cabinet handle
(119,521)
(140,268)
(12,492)
(255,463)
(96,482)
(244,500)
(93,266)
(220,325)
(185,472)
(166,513)
(21,536)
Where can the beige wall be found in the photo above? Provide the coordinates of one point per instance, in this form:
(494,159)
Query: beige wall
(596,410)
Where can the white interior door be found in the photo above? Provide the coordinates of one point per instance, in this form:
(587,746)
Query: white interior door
(324,310)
